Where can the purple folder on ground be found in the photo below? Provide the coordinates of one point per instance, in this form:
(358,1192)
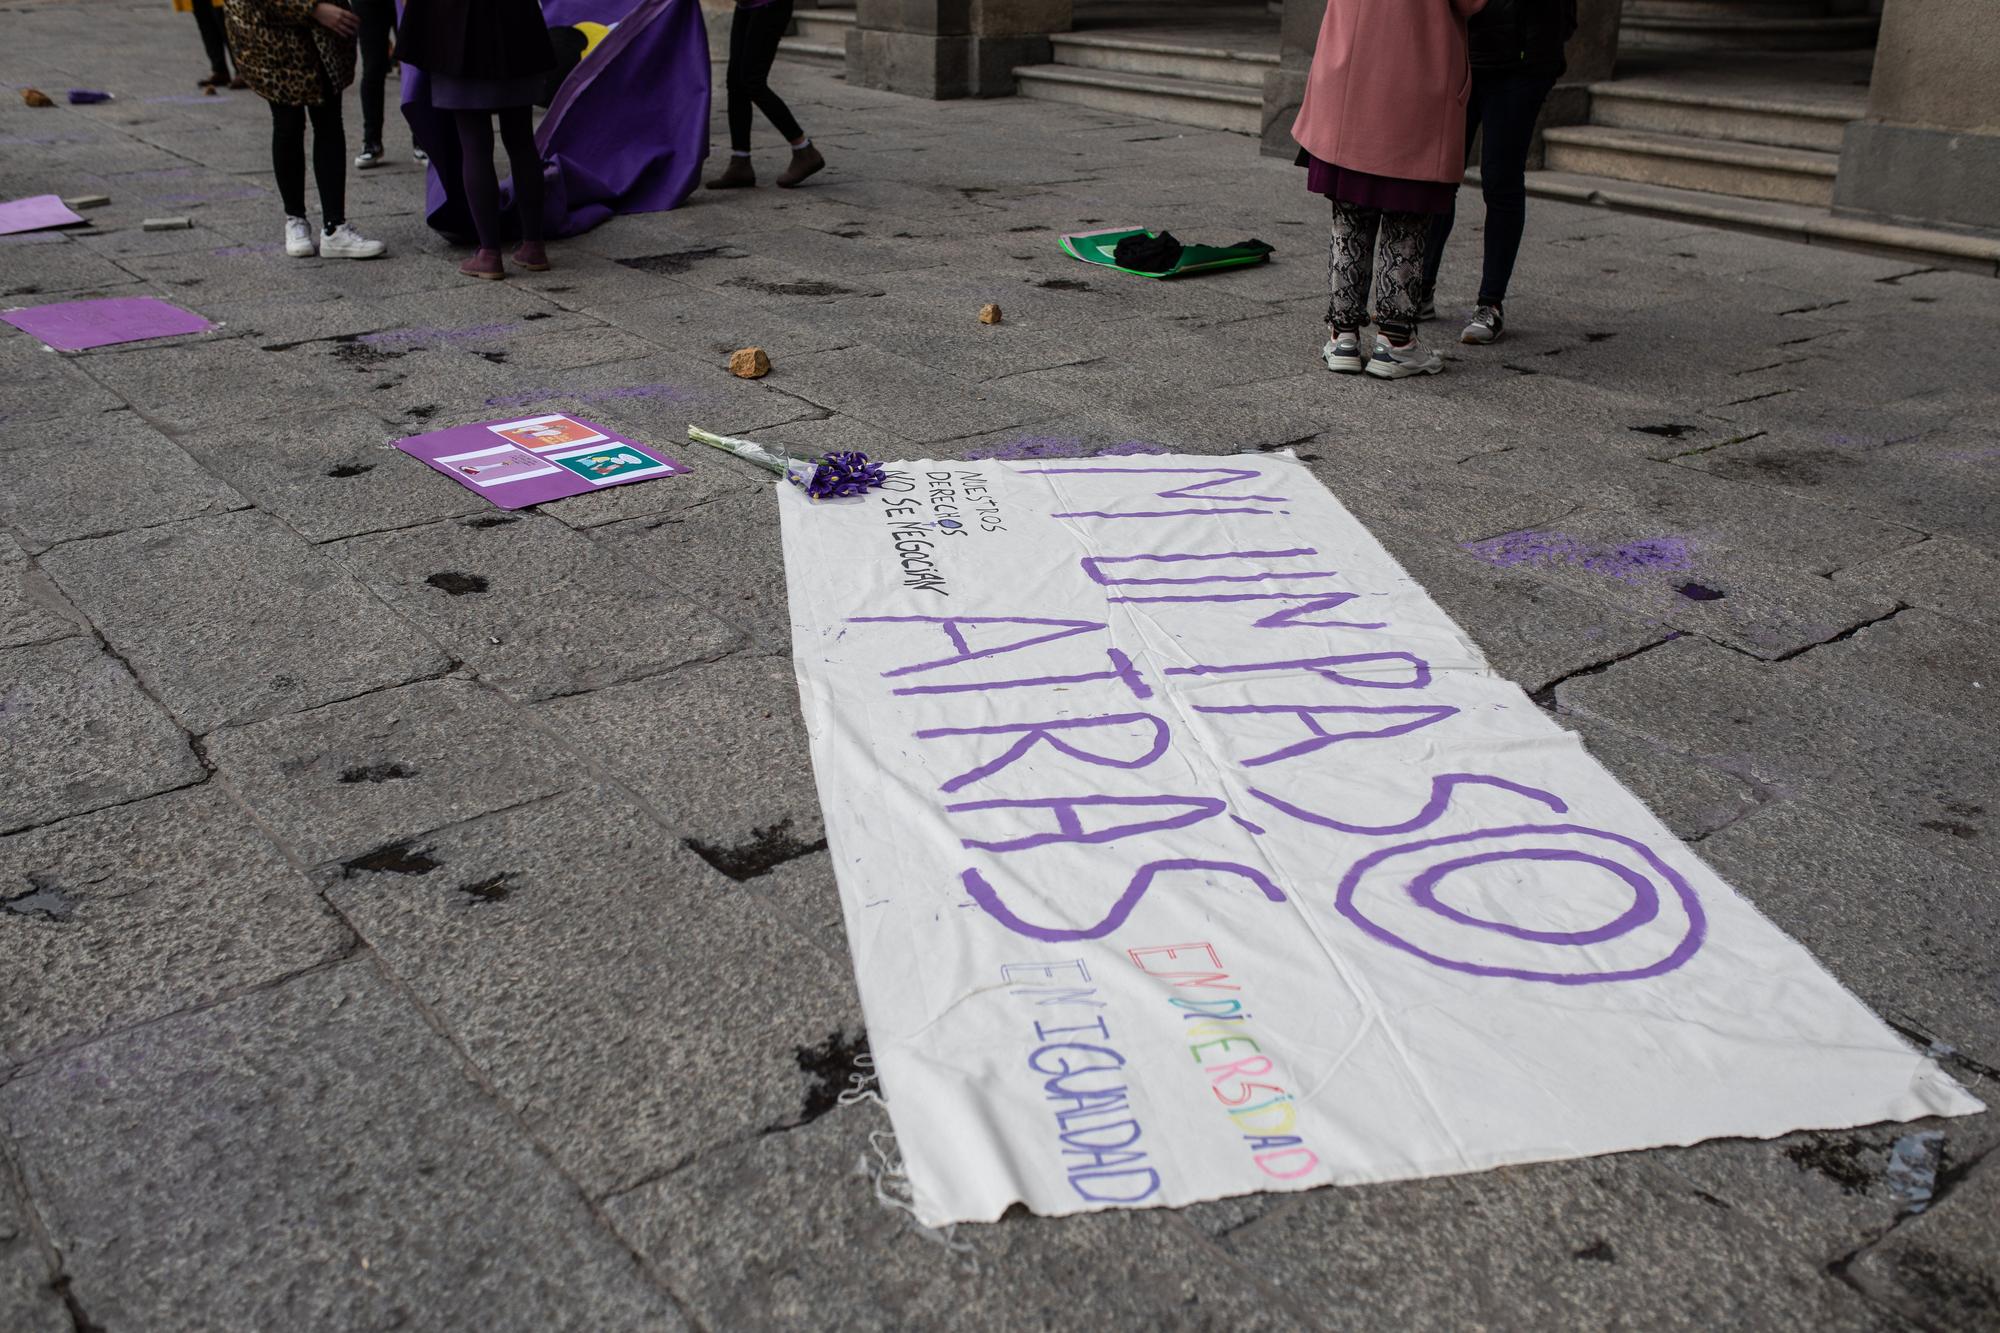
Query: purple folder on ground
(530,460)
(625,133)
(36,213)
(74,326)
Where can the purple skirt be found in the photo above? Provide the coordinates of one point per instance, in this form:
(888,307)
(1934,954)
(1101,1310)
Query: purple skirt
(1391,194)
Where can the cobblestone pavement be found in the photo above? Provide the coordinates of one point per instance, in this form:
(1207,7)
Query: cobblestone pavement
(385,949)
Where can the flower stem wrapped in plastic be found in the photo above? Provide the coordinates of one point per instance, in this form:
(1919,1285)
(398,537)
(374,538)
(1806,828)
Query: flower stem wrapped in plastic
(838,475)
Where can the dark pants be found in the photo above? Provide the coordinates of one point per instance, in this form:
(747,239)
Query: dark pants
(1504,103)
(482,184)
(378,22)
(214,38)
(329,156)
(754,35)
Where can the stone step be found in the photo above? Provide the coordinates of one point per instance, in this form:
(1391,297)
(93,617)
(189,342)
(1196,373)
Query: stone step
(1661,108)
(1749,171)
(1127,55)
(823,27)
(1744,32)
(1797,222)
(1212,106)
(819,37)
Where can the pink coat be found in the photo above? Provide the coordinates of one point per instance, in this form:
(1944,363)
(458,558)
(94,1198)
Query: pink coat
(1387,90)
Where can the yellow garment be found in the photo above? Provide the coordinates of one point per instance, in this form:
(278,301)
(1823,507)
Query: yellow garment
(187,6)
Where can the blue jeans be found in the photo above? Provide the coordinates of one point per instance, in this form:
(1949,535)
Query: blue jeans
(1505,104)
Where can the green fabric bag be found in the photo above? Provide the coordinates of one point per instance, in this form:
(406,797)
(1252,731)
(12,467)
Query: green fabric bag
(1096,247)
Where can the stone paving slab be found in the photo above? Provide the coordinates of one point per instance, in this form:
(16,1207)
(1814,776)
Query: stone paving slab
(733,1232)
(231,619)
(1565,1245)
(599,975)
(43,384)
(79,734)
(102,475)
(660,738)
(362,778)
(331,474)
(1919,958)
(534,607)
(250,1167)
(31,610)
(724,555)
(1920,778)
(1942,575)
(28,1300)
(1943,1267)
(115,918)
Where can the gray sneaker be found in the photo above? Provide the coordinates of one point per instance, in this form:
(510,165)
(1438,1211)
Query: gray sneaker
(1485,326)
(1395,363)
(1343,353)
(1427,308)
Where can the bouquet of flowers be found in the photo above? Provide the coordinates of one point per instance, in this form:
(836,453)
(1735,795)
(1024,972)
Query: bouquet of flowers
(835,476)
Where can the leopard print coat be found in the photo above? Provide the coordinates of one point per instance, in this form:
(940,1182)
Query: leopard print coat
(286,56)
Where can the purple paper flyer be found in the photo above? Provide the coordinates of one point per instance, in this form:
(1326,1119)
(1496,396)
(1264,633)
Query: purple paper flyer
(36,213)
(532,460)
(76,326)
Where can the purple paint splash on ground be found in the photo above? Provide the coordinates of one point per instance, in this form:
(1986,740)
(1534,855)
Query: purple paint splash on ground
(1048,446)
(665,393)
(1629,563)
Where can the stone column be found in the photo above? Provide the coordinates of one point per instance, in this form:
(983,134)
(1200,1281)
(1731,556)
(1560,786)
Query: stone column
(1591,54)
(1929,150)
(950,48)
(1285,86)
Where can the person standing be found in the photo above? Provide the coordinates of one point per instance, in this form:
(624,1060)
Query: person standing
(487,58)
(298,55)
(1517,56)
(215,41)
(1382,134)
(754,33)
(378,26)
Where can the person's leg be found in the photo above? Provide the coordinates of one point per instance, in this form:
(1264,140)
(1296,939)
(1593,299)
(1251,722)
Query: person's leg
(738,173)
(1512,106)
(517,135)
(214,40)
(330,161)
(1399,277)
(288,157)
(1350,258)
(1399,274)
(482,185)
(1441,223)
(377,18)
(769,25)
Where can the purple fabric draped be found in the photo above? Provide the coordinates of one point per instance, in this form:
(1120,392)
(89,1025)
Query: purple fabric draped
(626,133)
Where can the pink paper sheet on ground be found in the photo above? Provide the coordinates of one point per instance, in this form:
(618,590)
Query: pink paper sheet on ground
(76,326)
(531,460)
(35,213)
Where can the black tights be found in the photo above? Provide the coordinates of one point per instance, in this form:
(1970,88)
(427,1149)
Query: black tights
(482,185)
(754,35)
(288,158)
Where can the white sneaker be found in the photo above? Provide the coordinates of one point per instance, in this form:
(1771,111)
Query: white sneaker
(299,238)
(343,242)
(1343,353)
(371,155)
(1394,363)
(419,156)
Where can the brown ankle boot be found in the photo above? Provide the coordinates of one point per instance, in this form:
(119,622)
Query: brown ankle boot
(805,161)
(736,176)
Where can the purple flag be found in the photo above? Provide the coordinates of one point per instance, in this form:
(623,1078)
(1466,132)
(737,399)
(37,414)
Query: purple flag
(626,132)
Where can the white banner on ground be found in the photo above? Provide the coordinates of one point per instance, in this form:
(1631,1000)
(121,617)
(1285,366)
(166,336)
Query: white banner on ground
(1188,849)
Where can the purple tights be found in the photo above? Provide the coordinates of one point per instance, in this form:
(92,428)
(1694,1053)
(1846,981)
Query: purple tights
(482,184)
